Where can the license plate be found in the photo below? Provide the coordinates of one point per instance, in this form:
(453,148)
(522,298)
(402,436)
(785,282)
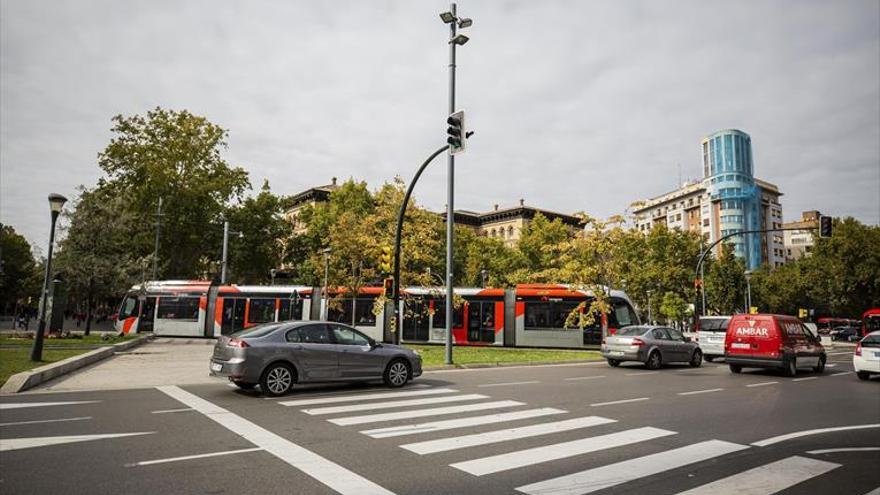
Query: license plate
(216,366)
(616,353)
(739,345)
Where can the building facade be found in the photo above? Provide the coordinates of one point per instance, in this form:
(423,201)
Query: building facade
(506,224)
(729,199)
(319,194)
(799,243)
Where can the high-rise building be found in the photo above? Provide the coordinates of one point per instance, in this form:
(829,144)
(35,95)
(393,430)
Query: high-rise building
(727,200)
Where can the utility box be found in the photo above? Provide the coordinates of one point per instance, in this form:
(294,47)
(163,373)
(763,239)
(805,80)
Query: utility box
(56,304)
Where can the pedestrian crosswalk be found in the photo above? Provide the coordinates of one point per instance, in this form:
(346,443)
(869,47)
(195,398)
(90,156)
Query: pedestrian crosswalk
(514,422)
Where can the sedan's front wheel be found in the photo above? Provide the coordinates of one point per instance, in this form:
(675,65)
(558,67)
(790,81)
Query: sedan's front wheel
(396,373)
(696,359)
(277,379)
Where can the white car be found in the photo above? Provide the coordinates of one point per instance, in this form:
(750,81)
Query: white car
(866,360)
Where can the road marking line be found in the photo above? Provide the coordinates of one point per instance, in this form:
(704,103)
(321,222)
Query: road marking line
(166,411)
(357,397)
(453,443)
(393,404)
(583,378)
(508,383)
(805,378)
(27,443)
(761,384)
(528,457)
(695,392)
(421,413)
(491,368)
(875,491)
(640,373)
(603,477)
(842,373)
(323,470)
(840,353)
(798,434)
(82,418)
(20,405)
(188,457)
(847,449)
(450,424)
(831,365)
(321,393)
(624,401)
(767,479)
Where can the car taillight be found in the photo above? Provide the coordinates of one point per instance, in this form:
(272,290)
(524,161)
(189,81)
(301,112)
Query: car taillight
(859,349)
(237,343)
(638,342)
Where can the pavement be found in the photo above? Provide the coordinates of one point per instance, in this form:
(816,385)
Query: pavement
(573,429)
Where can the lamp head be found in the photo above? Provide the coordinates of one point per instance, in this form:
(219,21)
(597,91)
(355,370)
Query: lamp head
(447,17)
(56,202)
(463,23)
(459,39)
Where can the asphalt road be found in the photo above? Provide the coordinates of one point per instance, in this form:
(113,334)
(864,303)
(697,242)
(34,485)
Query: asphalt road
(547,429)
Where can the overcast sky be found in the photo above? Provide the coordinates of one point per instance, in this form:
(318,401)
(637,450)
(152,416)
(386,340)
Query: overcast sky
(577,106)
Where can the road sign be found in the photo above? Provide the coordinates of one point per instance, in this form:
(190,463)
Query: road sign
(753,310)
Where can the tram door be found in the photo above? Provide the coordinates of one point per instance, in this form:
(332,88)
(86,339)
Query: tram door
(415,320)
(481,321)
(233,315)
(148,311)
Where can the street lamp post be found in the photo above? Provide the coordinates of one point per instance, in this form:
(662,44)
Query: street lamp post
(56,202)
(748,291)
(224,263)
(454,22)
(650,319)
(324,299)
(156,247)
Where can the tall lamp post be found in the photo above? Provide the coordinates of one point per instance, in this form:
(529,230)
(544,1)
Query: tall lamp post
(454,22)
(224,264)
(748,291)
(324,299)
(56,202)
(650,319)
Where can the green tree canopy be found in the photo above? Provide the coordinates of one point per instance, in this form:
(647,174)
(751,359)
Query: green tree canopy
(19,275)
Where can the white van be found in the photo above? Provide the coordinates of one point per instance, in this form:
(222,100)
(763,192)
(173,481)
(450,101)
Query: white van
(711,331)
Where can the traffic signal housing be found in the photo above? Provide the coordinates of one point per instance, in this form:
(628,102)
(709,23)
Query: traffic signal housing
(824,226)
(385,264)
(456,132)
(389,288)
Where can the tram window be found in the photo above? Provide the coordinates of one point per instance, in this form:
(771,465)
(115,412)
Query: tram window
(290,309)
(549,314)
(340,311)
(178,308)
(128,307)
(261,311)
(440,315)
(623,315)
(363,313)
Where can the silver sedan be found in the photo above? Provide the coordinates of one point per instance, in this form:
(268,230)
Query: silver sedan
(277,355)
(651,345)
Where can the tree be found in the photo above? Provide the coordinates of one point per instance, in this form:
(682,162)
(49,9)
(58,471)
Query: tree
(725,283)
(264,229)
(175,156)
(673,307)
(19,275)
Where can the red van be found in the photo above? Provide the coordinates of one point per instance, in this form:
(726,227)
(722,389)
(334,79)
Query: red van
(772,341)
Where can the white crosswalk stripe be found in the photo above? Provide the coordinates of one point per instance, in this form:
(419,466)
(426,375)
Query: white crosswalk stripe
(610,475)
(453,443)
(449,424)
(355,397)
(528,457)
(767,479)
(421,413)
(393,404)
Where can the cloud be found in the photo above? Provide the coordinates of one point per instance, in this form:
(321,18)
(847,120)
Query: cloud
(577,105)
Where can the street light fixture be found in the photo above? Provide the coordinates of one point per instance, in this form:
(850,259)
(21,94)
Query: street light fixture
(463,23)
(447,17)
(226,233)
(459,39)
(56,203)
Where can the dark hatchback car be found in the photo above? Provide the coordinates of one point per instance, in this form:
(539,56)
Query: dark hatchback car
(277,355)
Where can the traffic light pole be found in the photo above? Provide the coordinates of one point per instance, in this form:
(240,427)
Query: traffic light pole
(699,272)
(398,322)
(450,215)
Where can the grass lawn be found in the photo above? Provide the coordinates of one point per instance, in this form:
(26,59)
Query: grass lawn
(93,339)
(14,361)
(435,355)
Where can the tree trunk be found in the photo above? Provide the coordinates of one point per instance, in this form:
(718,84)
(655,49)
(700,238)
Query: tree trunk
(89,307)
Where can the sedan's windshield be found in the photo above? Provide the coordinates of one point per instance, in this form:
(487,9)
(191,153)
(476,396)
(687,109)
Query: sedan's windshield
(257,331)
(631,331)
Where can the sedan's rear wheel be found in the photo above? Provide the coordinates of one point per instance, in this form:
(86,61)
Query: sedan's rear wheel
(791,368)
(708,358)
(654,361)
(277,379)
(614,363)
(735,368)
(696,359)
(396,373)
(819,368)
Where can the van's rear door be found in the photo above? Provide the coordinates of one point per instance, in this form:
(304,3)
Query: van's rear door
(752,335)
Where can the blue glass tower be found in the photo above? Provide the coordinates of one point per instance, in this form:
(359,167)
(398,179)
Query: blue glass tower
(728,174)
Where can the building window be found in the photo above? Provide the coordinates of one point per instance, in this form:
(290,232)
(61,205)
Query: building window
(510,232)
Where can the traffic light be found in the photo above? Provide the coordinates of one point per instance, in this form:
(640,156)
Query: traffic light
(385,264)
(824,226)
(456,132)
(698,283)
(389,287)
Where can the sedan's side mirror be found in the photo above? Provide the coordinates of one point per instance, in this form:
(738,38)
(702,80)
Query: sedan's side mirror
(374,344)
(686,339)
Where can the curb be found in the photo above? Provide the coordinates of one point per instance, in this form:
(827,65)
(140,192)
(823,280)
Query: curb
(506,364)
(20,382)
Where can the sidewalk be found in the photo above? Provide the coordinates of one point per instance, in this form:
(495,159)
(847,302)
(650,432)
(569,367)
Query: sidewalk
(164,361)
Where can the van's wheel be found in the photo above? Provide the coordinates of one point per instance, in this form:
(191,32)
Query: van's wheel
(708,358)
(244,385)
(277,379)
(396,373)
(735,368)
(863,375)
(654,361)
(821,366)
(791,368)
(614,363)
(697,359)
